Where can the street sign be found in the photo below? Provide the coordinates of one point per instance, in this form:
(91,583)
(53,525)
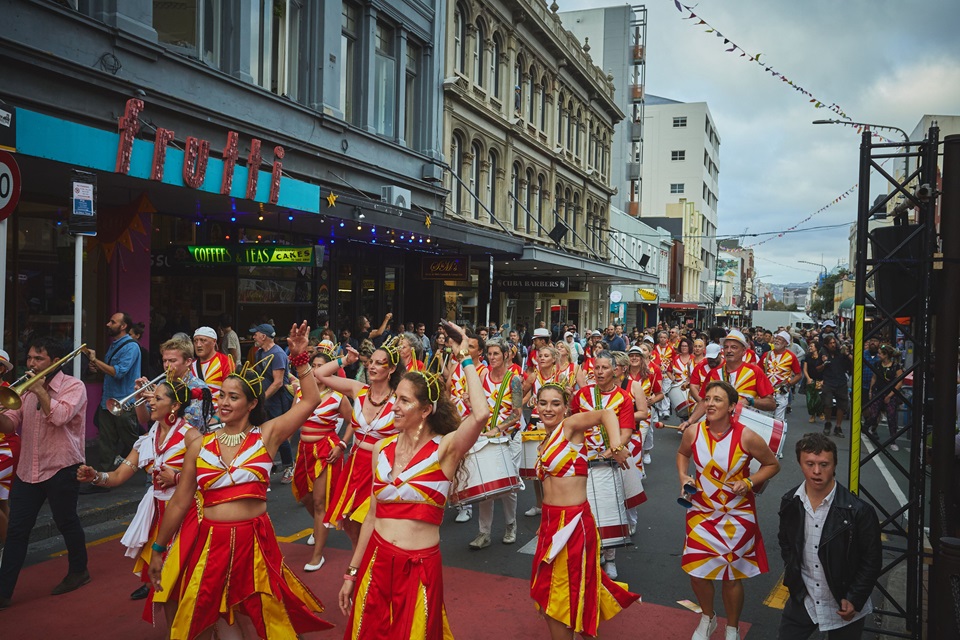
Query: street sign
(9,184)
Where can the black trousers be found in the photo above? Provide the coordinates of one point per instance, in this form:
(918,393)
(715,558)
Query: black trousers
(795,624)
(62,491)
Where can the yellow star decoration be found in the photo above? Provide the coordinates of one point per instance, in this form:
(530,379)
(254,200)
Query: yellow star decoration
(331,199)
(427,222)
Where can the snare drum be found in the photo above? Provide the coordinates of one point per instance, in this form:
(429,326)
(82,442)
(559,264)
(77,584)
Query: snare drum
(530,441)
(680,401)
(773,432)
(606,497)
(490,471)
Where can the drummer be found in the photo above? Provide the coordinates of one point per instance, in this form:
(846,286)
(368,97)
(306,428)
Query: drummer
(605,393)
(712,358)
(504,392)
(663,354)
(457,388)
(566,584)
(783,370)
(646,391)
(749,380)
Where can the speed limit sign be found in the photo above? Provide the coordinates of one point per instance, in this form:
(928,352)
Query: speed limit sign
(9,184)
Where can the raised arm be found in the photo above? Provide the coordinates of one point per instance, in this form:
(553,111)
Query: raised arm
(278,429)
(327,374)
(469,430)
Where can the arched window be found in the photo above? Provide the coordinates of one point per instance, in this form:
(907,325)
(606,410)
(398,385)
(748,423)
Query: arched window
(603,156)
(541,184)
(532,98)
(456,164)
(560,106)
(518,86)
(476,181)
(570,126)
(568,209)
(495,66)
(494,163)
(515,190)
(529,200)
(579,125)
(543,103)
(459,39)
(479,52)
(591,144)
(576,205)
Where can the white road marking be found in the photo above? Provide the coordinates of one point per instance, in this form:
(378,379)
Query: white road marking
(894,487)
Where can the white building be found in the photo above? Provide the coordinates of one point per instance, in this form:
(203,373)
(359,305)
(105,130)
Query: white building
(616,36)
(636,245)
(681,160)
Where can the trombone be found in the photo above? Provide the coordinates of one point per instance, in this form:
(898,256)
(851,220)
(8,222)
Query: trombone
(12,397)
(116,407)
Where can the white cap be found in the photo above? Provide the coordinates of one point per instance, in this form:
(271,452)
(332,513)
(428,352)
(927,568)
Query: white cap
(541,332)
(648,338)
(736,334)
(713,350)
(786,337)
(828,323)
(595,334)
(206,332)
(568,334)
(5,361)
(635,349)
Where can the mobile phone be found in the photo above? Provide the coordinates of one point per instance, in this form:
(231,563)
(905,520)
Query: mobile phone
(452,331)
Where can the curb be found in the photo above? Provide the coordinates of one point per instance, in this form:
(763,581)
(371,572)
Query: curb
(46,528)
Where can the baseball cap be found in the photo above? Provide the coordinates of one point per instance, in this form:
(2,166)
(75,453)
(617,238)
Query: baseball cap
(713,350)
(736,334)
(541,332)
(635,349)
(5,360)
(595,333)
(786,337)
(828,323)
(265,329)
(568,334)
(648,338)
(206,332)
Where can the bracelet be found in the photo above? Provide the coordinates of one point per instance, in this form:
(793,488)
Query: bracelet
(466,362)
(176,478)
(101,479)
(618,449)
(300,359)
(342,445)
(129,464)
(749,482)
(352,571)
(340,362)
(305,372)
(750,400)
(159,548)
(349,578)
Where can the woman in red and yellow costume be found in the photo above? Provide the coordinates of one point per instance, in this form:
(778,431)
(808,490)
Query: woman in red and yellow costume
(160,453)
(393,588)
(371,421)
(320,458)
(233,576)
(411,352)
(567,585)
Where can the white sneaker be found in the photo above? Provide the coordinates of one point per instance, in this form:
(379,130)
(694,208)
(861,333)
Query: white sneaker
(311,540)
(732,633)
(533,511)
(482,541)
(611,569)
(511,534)
(464,515)
(646,458)
(706,627)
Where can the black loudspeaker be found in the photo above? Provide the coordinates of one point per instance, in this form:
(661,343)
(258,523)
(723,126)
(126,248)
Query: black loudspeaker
(558,232)
(898,274)
(644,259)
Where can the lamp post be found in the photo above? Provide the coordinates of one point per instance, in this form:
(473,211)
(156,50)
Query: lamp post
(906,138)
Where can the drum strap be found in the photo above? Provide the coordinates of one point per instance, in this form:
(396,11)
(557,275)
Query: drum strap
(598,406)
(501,392)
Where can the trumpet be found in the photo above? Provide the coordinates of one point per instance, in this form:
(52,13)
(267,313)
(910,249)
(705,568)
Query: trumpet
(122,405)
(12,397)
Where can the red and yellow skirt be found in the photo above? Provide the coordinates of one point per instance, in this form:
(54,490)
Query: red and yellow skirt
(311,463)
(351,498)
(237,568)
(567,583)
(398,595)
(9,456)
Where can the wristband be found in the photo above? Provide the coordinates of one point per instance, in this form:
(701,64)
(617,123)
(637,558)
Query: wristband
(159,548)
(342,445)
(349,578)
(748,482)
(750,400)
(301,358)
(340,362)
(466,362)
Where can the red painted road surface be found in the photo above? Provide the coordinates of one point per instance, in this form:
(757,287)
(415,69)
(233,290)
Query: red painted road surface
(103,610)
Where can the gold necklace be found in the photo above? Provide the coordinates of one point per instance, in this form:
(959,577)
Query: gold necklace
(231,439)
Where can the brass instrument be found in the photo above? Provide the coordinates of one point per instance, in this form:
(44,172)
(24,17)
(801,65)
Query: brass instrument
(116,407)
(12,397)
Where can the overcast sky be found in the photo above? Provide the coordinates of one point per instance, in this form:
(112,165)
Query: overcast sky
(882,61)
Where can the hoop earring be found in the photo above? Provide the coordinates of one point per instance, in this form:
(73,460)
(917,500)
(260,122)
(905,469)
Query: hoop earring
(171,418)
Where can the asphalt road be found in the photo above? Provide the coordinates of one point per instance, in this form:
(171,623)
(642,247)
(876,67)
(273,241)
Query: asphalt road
(651,567)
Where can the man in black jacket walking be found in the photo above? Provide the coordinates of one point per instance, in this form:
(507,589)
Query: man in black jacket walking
(830,543)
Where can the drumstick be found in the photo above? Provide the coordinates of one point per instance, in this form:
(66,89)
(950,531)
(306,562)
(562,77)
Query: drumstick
(670,426)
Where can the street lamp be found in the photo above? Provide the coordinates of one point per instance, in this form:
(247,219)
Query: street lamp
(906,138)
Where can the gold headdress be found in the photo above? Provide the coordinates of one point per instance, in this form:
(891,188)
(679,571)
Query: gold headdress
(433,376)
(558,386)
(326,348)
(392,348)
(255,382)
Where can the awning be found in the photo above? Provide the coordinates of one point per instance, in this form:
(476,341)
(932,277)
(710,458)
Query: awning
(542,261)
(847,304)
(680,305)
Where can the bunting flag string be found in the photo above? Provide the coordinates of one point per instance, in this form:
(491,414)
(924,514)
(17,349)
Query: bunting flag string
(767,68)
(843,196)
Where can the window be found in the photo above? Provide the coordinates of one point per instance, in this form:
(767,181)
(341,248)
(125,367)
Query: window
(456,165)
(285,68)
(541,180)
(529,202)
(515,191)
(532,98)
(385,82)
(495,79)
(493,162)
(676,187)
(517,89)
(459,40)
(411,132)
(677,156)
(261,45)
(680,122)
(476,180)
(543,103)
(479,49)
(193,25)
(560,106)
(350,31)
(579,126)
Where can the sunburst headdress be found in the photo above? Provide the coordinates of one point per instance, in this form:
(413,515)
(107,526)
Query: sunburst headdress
(558,386)
(254,382)
(433,376)
(392,348)
(326,348)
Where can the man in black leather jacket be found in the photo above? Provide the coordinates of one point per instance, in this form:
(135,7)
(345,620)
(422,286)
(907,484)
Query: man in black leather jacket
(830,543)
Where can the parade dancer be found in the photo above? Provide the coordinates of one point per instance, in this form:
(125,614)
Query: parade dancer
(783,370)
